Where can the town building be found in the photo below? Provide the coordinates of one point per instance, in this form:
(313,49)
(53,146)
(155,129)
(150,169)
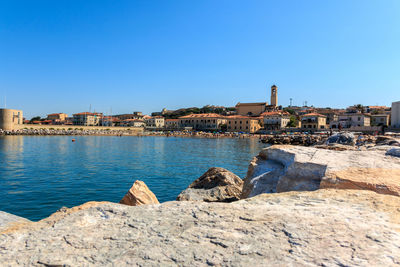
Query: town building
(155,122)
(380,120)
(376,109)
(251,109)
(348,120)
(87,118)
(313,121)
(202,122)
(275,120)
(109,121)
(172,124)
(10,118)
(255,109)
(395,117)
(239,123)
(134,116)
(57,118)
(132,123)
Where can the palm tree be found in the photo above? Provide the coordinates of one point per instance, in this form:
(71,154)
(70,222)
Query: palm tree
(359,108)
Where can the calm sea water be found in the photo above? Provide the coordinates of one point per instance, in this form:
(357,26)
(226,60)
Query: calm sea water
(41,174)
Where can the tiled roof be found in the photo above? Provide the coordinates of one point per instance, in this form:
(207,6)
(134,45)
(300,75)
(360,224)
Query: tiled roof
(241,117)
(127,120)
(252,104)
(204,115)
(55,114)
(314,115)
(171,120)
(273,113)
(88,113)
(377,107)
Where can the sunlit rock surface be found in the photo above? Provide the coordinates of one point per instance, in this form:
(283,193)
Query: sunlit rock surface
(285,168)
(215,185)
(319,228)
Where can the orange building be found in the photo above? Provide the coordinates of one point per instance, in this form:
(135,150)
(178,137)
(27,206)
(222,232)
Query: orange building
(57,118)
(239,123)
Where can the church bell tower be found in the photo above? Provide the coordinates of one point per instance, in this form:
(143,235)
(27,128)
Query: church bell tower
(274,95)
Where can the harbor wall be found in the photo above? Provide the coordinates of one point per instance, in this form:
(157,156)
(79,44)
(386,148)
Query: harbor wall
(75,127)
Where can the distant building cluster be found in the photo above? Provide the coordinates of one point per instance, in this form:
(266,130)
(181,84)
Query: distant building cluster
(244,117)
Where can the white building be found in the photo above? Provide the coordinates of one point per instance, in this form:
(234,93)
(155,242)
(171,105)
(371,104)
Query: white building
(396,114)
(275,120)
(348,120)
(132,123)
(155,122)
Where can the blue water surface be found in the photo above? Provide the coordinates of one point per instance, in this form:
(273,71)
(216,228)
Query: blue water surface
(41,174)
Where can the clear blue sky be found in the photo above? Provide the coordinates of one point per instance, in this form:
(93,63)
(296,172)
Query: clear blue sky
(62,56)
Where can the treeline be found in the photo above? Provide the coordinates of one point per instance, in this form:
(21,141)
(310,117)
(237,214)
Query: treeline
(194,110)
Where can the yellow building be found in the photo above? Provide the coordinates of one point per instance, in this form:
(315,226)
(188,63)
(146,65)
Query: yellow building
(238,123)
(313,121)
(202,122)
(57,117)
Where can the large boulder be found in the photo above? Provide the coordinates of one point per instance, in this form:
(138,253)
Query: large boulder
(321,228)
(215,185)
(295,168)
(393,152)
(387,140)
(139,194)
(8,220)
(344,138)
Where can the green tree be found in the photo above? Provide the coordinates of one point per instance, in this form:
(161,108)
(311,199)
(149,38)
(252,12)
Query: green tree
(37,118)
(293,121)
(359,108)
(289,110)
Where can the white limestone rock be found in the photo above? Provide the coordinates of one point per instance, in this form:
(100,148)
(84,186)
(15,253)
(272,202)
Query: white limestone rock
(320,228)
(295,168)
(8,220)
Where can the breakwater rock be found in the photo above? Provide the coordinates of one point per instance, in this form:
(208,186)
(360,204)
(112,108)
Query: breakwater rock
(8,220)
(298,139)
(64,132)
(215,185)
(320,228)
(294,168)
(139,194)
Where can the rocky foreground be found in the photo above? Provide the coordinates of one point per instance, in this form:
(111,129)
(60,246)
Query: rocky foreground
(285,168)
(332,205)
(324,228)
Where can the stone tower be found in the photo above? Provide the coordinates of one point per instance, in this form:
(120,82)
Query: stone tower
(274,95)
